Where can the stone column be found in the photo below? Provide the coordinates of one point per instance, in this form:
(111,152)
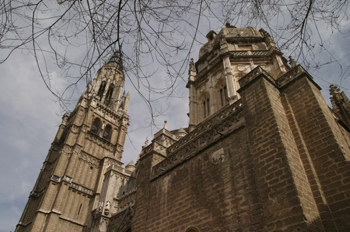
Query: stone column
(231,81)
(193,120)
(106,90)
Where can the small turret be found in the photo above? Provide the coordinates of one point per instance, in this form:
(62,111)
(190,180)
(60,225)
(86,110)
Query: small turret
(130,166)
(181,132)
(191,71)
(340,104)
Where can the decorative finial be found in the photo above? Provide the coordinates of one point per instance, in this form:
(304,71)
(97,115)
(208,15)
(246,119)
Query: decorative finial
(292,62)
(333,89)
(146,142)
(165,125)
(192,68)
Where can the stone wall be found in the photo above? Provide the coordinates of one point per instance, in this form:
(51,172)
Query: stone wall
(276,160)
(213,190)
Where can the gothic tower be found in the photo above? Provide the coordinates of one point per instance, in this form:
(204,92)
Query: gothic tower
(89,140)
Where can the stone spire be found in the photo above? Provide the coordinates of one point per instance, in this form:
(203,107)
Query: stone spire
(116,59)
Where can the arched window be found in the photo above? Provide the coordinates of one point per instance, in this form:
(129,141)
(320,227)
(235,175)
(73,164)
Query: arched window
(206,107)
(95,127)
(101,90)
(107,132)
(109,95)
(205,104)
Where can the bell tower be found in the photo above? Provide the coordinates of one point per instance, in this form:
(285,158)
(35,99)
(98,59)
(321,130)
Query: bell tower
(89,140)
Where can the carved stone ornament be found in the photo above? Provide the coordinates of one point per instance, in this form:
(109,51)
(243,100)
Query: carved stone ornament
(241,68)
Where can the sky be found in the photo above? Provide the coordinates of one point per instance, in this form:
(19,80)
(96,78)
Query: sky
(30,116)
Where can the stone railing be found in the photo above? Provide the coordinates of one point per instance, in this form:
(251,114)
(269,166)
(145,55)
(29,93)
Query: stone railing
(254,74)
(125,201)
(250,53)
(81,189)
(153,147)
(206,133)
(72,185)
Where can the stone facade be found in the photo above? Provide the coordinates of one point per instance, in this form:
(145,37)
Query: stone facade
(262,152)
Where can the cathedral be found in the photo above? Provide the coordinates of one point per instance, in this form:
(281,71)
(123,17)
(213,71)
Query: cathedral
(262,152)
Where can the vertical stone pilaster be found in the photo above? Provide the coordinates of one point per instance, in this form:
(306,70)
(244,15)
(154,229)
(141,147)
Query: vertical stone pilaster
(326,149)
(193,104)
(106,90)
(282,181)
(230,80)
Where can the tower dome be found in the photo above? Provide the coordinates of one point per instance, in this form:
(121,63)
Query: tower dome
(130,166)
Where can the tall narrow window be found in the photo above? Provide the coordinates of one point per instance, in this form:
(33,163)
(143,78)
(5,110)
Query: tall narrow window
(101,90)
(107,132)
(64,135)
(223,95)
(109,95)
(79,208)
(95,127)
(206,108)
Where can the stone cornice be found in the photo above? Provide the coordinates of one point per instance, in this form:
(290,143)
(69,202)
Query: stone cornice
(230,40)
(234,55)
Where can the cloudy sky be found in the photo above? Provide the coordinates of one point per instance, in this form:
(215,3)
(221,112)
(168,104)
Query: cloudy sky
(30,116)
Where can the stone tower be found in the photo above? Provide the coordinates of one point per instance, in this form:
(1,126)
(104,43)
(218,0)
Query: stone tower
(89,140)
(214,79)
